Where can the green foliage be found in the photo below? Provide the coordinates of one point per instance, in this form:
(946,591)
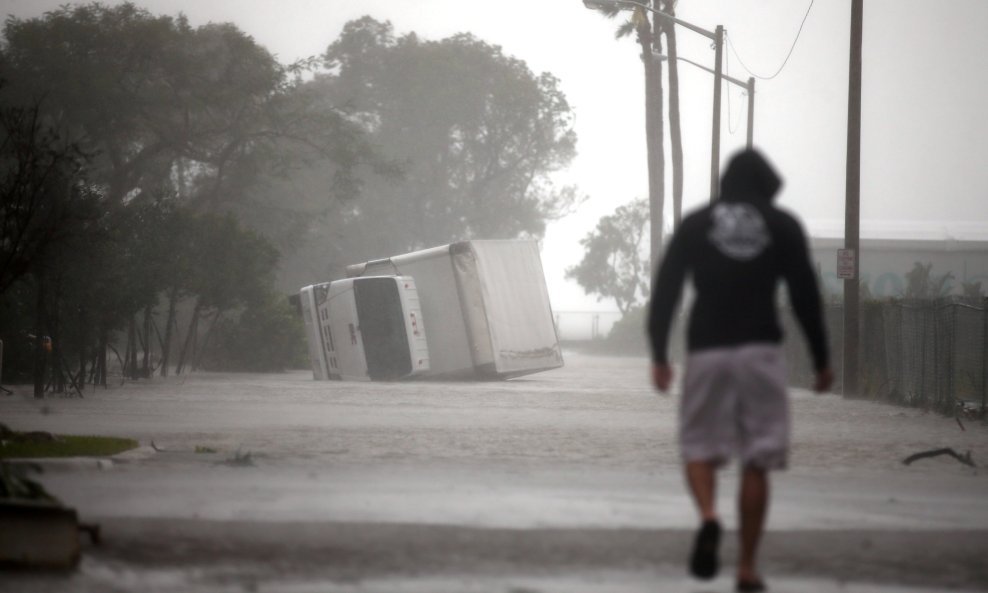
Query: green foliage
(922,284)
(267,336)
(200,111)
(16,325)
(26,446)
(125,137)
(146,161)
(972,290)
(475,133)
(234,265)
(628,334)
(40,193)
(15,483)
(613,265)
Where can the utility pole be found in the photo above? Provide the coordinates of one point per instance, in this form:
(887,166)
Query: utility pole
(748,86)
(751,112)
(715,140)
(852,207)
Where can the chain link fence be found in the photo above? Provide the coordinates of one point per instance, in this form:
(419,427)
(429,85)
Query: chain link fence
(928,354)
(580,326)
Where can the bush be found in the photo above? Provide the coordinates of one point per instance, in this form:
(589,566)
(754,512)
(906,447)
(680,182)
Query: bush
(628,335)
(267,337)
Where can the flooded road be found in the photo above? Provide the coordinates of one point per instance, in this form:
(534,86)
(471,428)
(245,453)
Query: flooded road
(563,481)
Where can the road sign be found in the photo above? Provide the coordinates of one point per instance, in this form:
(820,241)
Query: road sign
(845,264)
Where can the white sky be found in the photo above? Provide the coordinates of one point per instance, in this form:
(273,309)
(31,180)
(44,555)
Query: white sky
(925,128)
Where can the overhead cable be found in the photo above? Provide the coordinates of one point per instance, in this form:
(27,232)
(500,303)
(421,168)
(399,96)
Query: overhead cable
(784,62)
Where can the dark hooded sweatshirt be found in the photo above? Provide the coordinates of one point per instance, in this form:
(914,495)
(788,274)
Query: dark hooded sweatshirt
(737,250)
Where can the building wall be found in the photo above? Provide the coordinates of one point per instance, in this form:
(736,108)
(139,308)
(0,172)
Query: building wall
(885,263)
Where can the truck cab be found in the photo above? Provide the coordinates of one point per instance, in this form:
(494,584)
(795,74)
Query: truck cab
(368,328)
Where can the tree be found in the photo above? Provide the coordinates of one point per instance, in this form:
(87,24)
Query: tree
(234,268)
(475,133)
(202,115)
(675,126)
(922,284)
(972,290)
(648,35)
(266,337)
(612,265)
(39,173)
(199,111)
(43,203)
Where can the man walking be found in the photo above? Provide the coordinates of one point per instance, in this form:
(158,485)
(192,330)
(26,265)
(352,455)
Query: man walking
(734,400)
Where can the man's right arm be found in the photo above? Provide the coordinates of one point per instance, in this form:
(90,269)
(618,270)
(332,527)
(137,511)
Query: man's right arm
(666,290)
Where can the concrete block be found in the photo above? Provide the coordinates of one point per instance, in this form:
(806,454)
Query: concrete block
(38,535)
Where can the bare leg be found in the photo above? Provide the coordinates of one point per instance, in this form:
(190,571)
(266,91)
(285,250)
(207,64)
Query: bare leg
(702,479)
(753,504)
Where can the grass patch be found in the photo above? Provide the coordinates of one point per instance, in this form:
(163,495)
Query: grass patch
(63,446)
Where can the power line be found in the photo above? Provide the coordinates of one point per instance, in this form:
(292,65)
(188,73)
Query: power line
(786,61)
(727,68)
(730,112)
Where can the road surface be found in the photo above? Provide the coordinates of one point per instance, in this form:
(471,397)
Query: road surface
(562,481)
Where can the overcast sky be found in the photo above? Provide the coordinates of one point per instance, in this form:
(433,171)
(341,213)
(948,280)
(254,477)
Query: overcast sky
(925,126)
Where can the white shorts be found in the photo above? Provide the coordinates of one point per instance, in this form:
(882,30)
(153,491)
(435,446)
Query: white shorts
(735,403)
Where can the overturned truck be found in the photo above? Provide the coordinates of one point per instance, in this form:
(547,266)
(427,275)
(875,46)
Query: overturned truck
(467,310)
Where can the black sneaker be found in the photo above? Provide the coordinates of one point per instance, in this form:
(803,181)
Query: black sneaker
(755,586)
(704,563)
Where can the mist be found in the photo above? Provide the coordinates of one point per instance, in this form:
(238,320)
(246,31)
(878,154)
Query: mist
(354,296)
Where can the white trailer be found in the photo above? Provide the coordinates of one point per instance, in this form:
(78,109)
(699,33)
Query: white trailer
(485,307)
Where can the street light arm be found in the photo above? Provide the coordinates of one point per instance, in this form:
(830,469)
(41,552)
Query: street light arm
(595,4)
(740,83)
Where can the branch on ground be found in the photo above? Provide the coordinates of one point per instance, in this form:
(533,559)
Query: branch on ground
(965,459)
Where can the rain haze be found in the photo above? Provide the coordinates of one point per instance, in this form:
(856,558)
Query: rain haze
(923,124)
(456,412)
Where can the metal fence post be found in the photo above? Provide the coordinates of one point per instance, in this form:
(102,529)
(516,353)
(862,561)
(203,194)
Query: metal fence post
(952,356)
(984,354)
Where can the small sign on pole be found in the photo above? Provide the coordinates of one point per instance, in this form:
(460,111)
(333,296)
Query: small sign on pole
(845,264)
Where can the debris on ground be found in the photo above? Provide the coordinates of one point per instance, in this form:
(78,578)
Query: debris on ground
(240,460)
(965,459)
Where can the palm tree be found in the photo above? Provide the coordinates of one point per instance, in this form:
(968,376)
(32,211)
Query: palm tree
(675,131)
(648,37)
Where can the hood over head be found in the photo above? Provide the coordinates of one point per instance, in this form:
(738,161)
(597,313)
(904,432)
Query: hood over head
(749,176)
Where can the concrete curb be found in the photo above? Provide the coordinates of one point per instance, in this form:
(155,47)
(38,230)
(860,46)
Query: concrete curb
(136,454)
(56,464)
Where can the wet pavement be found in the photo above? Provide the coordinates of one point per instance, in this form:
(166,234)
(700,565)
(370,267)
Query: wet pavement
(563,481)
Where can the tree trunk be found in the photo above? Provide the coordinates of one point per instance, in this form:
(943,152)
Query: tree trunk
(104,341)
(169,324)
(130,354)
(650,41)
(205,341)
(55,364)
(81,377)
(146,362)
(40,331)
(190,339)
(675,131)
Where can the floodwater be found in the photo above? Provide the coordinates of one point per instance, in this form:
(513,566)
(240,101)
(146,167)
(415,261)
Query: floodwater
(562,481)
